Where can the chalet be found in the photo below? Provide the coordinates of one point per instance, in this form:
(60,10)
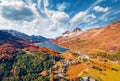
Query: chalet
(84,57)
(55,67)
(61,74)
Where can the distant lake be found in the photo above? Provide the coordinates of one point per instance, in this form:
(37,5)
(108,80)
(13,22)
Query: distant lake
(52,46)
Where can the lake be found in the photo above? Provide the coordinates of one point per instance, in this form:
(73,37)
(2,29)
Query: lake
(52,46)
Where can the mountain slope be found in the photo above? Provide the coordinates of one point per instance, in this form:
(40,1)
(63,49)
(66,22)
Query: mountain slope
(10,39)
(31,39)
(104,39)
(4,37)
(20,60)
(9,45)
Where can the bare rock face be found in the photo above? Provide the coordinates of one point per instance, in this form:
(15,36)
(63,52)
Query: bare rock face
(76,29)
(67,32)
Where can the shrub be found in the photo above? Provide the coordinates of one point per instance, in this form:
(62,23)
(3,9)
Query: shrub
(97,68)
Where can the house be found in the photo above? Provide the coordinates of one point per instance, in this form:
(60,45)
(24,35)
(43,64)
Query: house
(55,66)
(84,57)
(61,74)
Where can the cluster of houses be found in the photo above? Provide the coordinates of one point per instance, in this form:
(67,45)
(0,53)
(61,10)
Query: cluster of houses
(87,78)
(84,57)
(117,62)
(64,66)
(69,62)
(62,72)
(66,63)
(55,67)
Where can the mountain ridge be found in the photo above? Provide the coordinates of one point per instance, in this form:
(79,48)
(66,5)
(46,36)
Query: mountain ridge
(23,36)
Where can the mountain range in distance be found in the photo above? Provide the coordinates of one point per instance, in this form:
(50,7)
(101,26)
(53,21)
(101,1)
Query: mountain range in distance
(23,36)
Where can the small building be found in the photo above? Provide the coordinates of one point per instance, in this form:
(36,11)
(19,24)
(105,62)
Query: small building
(61,74)
(84,57)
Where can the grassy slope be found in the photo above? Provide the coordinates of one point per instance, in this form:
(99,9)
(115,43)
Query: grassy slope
(107,75)
(92,42)
(73,71)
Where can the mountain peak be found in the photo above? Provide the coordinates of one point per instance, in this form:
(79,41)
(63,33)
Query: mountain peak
(76,29)
(67,32)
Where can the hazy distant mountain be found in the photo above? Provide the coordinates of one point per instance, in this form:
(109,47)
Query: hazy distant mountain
(9,45)
(23,36)
(4,36)
(7,37)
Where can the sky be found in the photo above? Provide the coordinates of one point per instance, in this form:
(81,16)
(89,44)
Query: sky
(51,18)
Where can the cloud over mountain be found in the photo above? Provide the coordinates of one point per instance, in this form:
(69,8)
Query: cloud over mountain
(33,18)
(49,18)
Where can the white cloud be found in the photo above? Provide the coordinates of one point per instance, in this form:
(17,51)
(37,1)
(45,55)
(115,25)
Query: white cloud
(116,12)
(85,16)
(101,9)
(82,17)
(45,22)
(12,3)
(63,6)
(109,13)
(46,3)
(78,17)
(94,4)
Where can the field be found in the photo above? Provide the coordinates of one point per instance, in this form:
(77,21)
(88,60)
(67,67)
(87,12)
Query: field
(107,75)
(73,71)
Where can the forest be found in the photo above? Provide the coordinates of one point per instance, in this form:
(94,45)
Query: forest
(26,67)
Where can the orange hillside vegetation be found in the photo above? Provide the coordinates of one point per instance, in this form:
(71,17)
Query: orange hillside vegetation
(104,39)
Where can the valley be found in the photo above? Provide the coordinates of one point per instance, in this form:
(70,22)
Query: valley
(59,40)
(76,56)
(101,45)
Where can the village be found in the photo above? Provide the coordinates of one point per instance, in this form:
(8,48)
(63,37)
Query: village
(76,66)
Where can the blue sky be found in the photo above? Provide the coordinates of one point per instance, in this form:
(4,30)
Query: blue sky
(50,18)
